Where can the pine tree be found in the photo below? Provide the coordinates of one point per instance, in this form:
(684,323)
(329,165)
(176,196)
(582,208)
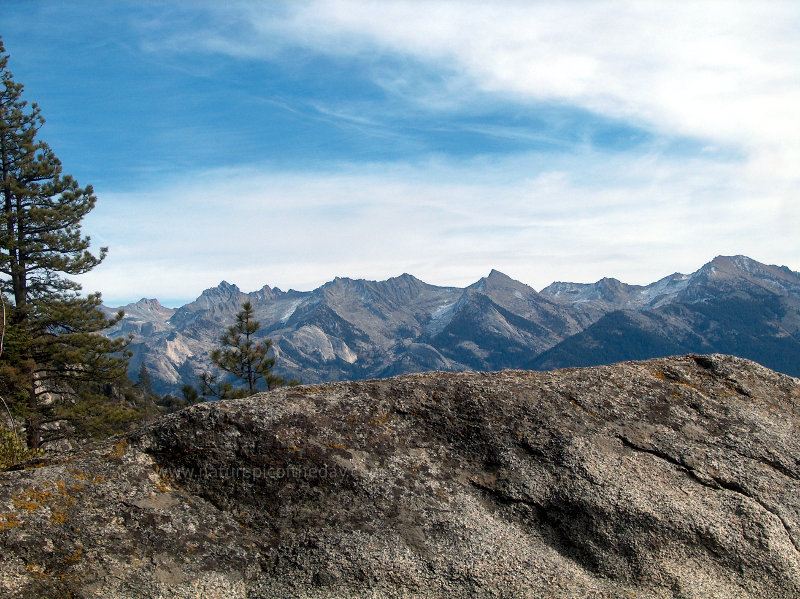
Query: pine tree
(242,356)
(144,382)
(60,365)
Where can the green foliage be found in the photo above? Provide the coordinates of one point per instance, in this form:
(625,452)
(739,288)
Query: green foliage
(54,360)
(144,382)
(98,415)
(242,356)
(170,403)
(190,394)
(13,450)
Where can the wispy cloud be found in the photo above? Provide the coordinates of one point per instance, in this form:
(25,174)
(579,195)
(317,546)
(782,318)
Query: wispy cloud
(438,221)
(727,73)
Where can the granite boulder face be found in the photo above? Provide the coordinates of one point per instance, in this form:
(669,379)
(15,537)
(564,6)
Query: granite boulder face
(675,477)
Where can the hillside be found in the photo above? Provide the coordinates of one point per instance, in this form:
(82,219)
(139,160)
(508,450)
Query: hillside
(672,478)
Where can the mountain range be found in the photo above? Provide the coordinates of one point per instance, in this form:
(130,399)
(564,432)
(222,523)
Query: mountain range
(356,329)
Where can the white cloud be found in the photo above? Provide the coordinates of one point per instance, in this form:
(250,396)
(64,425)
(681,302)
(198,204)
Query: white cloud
(682,61)
(443,223)
(723,71)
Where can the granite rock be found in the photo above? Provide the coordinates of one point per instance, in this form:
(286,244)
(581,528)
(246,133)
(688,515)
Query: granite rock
(675,477)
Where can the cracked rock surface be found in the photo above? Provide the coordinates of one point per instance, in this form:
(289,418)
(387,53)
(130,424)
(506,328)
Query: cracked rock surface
(676,477)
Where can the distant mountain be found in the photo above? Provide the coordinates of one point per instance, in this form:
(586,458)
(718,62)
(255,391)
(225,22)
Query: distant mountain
(732,305)
(356,329)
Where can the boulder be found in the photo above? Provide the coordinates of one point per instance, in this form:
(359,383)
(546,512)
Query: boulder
(675,477)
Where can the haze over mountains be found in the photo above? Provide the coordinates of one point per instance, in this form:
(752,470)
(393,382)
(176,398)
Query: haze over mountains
(354,329)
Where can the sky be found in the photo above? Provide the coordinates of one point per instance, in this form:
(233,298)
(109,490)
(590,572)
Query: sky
(287,143)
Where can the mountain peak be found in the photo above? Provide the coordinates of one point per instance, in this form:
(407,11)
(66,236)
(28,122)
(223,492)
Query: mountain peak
(743,266)
(147,308)
(738,262)
(496,274)
(611,283)
(223,288)
(741,272)
(494,279)
(405,285)
(405,277)
(606,289)
(341,281)
(266,293)
(148,302)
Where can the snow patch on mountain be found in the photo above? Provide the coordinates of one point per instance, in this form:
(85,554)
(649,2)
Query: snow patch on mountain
(440,318)
(291,309)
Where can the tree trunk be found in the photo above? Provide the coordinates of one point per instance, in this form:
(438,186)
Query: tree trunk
(32,424)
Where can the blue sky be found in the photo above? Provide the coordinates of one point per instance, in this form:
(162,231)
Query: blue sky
(288,143)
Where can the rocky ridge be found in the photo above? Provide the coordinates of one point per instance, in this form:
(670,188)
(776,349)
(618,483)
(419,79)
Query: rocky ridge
(675,477)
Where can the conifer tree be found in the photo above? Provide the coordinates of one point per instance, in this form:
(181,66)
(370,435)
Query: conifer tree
(144,382)
(58,366)
(242,356)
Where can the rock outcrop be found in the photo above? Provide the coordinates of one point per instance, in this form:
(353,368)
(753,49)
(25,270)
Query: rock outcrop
(676,477)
